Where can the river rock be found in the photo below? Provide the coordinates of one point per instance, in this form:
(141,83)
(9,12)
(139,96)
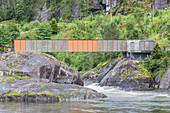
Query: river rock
(38,65)
(165,81)
(115,76)
(36,91)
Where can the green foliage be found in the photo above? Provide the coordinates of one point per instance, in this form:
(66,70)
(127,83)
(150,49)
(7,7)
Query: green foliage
(20,9)
(131,31)
(8,32)
(85,61)
(157,61)
(110,31)
(44,31)
(54,26)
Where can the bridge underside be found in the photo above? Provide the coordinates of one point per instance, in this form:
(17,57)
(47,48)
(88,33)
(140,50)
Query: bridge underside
(135,56)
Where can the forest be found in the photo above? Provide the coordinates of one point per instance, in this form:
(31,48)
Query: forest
(132,20)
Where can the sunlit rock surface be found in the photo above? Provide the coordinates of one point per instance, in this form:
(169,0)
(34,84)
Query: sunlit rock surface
(39,91)
(38,65)
(165,81)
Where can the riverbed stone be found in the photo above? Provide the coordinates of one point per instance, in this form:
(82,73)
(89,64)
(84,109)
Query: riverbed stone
(36,91)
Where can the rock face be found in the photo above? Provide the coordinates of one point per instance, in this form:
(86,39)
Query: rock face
(119,73)
(38,65)
(42,15)
(165,81)
(115,76)
(58,74)
(96,75)
(36,91)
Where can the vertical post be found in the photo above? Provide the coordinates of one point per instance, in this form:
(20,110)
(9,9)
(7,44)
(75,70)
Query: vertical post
(47,45)
(36,45)
(20,45)
(52,45)
(117,45)
(112,45)
(11,45)
(144,45)
(153,11)
(102,45)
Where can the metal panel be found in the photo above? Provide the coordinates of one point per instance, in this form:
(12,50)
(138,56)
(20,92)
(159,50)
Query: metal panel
(105,45)
(17,46)
(75,46)
(152,44)
(124,45)
(95,46)
(70,49)
(147,48)
(23,45)
(39,46)
(100,45)
(80,45)
(55,45)
(28,45)
(89,45)
(85,46)
(33,45)
(115,47)
(44,46)
(141,45)
(50,46)
(132,46)
(110,45)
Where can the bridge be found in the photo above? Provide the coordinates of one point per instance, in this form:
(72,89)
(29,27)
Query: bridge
(130,48)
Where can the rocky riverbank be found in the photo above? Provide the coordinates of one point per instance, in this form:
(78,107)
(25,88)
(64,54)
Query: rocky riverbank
(126,74)
(41,91)
(28,76)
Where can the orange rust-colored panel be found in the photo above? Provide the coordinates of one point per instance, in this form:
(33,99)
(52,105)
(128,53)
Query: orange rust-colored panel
(90,46)
(79,45)
(95,47)
(23,45)
(70,46)
(75,45)
(17,45)
(85,48)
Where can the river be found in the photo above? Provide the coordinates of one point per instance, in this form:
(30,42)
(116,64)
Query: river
(119,101)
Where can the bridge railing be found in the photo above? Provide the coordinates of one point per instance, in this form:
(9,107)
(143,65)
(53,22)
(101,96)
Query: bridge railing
(84,45)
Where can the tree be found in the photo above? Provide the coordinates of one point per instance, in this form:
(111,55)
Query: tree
(54,26)
(131,31)
(110,31)
(20,10)
(44,31)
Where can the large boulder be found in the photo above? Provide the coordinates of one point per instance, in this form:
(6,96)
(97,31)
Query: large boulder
(116,78)
(55,73)
(165,81)
(38,65)
(34,90)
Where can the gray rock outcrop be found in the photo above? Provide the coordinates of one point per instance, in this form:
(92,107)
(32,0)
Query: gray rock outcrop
(36,91)
(116,78)
(38,65)
(165,81)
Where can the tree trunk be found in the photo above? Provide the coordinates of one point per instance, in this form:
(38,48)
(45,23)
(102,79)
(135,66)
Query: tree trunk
(14,7)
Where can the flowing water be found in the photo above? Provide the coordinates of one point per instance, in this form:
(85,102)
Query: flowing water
(118,101)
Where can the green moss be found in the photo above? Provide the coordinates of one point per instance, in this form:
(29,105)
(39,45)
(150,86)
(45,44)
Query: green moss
(16,68)
(13,94)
